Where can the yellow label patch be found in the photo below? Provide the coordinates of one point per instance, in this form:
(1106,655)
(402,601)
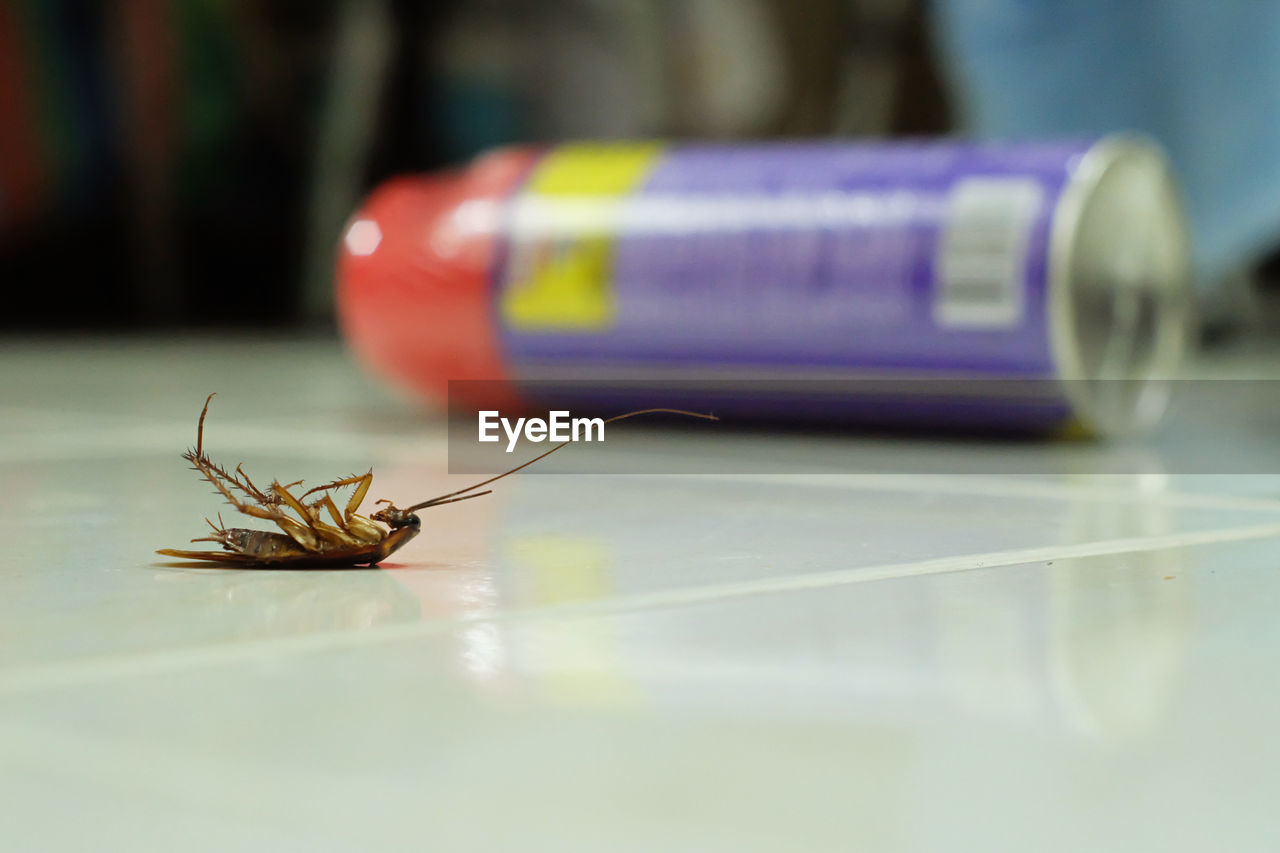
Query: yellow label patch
(560,268)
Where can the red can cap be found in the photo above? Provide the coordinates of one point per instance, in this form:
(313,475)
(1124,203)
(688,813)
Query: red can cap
(415,277)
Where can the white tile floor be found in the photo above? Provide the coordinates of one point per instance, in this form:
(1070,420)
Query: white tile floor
(763,662)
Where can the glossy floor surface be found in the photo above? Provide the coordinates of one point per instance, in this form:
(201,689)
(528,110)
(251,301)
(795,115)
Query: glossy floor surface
(1042,657)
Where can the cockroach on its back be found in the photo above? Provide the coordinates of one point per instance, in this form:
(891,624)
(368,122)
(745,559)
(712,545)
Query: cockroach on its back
(308,541)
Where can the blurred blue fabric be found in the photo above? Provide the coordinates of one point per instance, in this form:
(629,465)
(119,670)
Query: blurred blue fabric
(1201,77)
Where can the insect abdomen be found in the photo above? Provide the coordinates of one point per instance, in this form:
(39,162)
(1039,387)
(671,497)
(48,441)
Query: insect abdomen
(263,545)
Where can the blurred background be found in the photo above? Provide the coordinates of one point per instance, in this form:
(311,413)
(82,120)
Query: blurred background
(190,163)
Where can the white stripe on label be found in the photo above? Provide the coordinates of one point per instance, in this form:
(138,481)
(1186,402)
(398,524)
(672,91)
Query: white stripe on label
(981,268)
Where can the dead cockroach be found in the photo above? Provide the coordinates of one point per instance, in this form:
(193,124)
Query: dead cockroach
(308,541)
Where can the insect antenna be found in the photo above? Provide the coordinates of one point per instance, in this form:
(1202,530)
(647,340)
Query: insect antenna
(452,496)
(442,500)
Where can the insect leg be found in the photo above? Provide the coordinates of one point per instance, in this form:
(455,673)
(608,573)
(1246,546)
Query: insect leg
(358,495)
(355,536)
(359,526)
(312,530)
(353,504)
(223,482)
(356,526)
(246,485)
(301,533)
(327,503)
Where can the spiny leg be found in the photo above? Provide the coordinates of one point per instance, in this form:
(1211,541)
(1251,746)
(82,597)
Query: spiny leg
(248,487)
(358,495)
(353,504)
(267,508)
(224,482)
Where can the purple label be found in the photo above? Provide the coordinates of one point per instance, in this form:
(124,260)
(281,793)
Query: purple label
(782,259)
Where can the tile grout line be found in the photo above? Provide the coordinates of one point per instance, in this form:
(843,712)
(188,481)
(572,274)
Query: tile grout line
(963,484)
(67,674)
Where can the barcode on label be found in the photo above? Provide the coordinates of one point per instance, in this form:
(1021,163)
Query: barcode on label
(983,260)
